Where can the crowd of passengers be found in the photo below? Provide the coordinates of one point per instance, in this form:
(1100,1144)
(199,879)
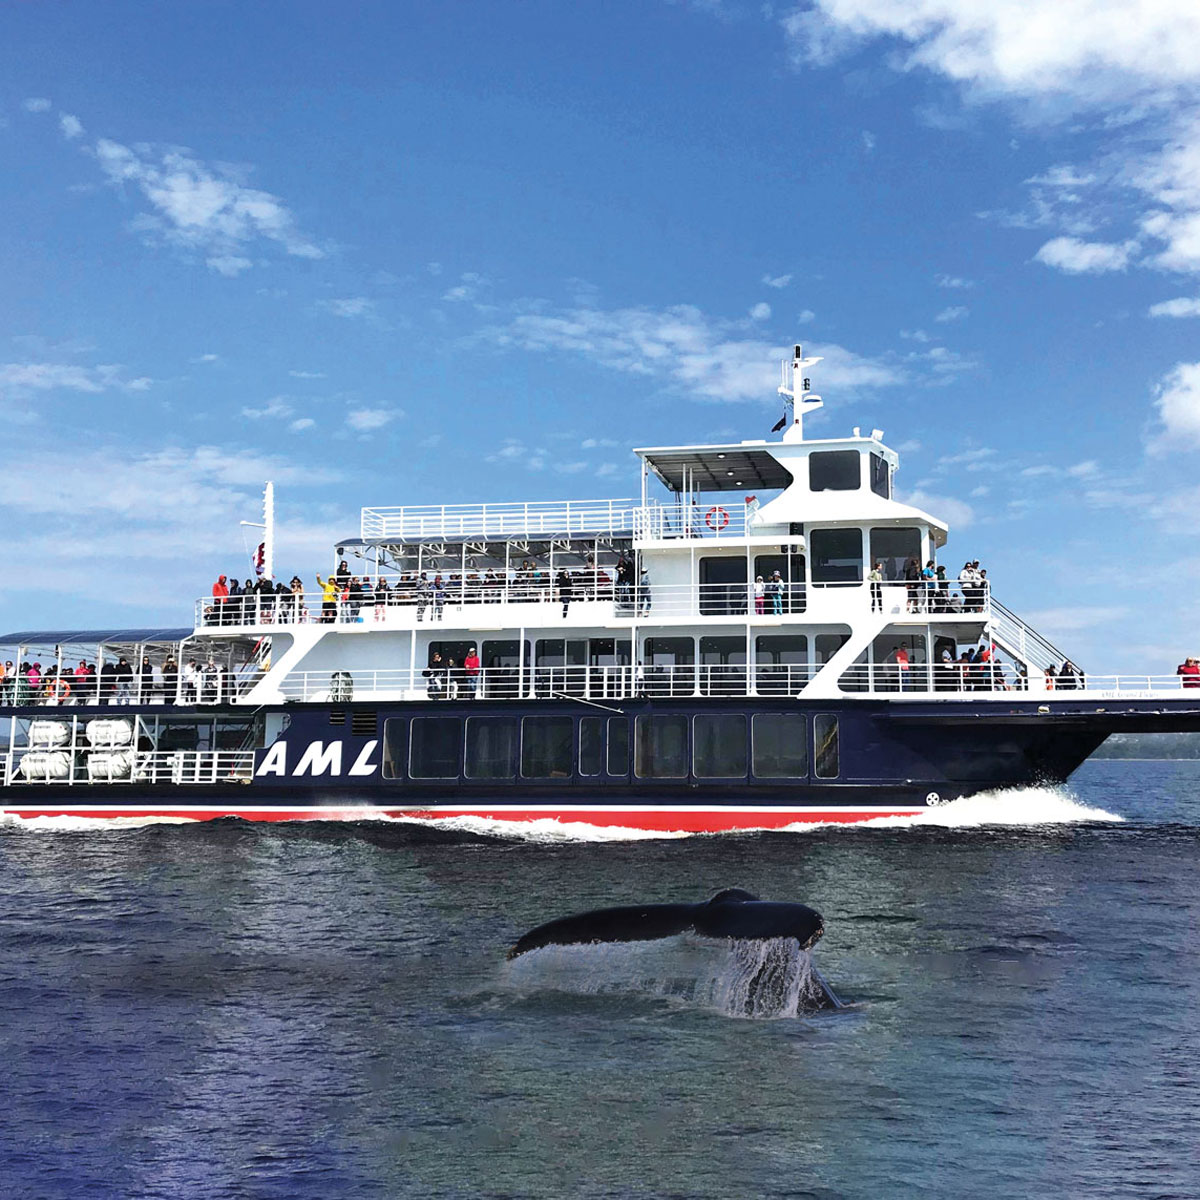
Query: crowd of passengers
(347,597)
(928,587)
(115,682)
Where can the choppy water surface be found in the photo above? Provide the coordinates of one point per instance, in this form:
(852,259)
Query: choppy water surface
(326,1011)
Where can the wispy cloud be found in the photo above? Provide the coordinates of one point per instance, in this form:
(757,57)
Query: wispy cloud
(348,307)
(1085,258)
(706,357)
(760,312)
(36,104)
(953,281)
(364,420)
(955,312)
(1184,306)
(19,380)
(71,126)
(307,374)
(277,407)
(1178,406)
(199,208)
(776,281)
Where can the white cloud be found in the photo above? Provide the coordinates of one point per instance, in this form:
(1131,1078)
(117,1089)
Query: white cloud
(365,419)
(1184,306)
(1178,405)
(200,208)
(307,374)
(36,104)
(966,457)
(804,316)
(706,357)
(760,312)
(301,424)
(953,281)
(1134,66)
(1077,257)
(71,126)
(955,513)
(606,469)
(594,443)
(570,468)
(277,407)
(467,289)
(868,140)
(955,312)
(915,335)
(1058,621)
(206,358)
(349,307)
(776,281)
(18,380)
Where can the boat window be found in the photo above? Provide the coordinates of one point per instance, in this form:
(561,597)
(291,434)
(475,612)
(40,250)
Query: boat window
(618,746)
(670,666)
(393,748)
(836,555)
(501,662)
(660,746)
(589,745)
(899,661)
(881,478)
(828,644)
(561,666)
(546,747)
(719,746)
(791,597)
(893,548)
(723,666)
(491,747)
(781,664)
(825,746)
(780,742)
(722,585)
(435,747)
(834,471)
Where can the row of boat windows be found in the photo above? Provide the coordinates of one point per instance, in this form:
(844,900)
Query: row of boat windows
(665,746)
(841,471)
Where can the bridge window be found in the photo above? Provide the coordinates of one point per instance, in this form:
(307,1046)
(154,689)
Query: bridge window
(825,746)
(435,747)
(491,747)
(719,746)
(836,555)
(780,742)
(661,746)
(546,747)
(834,471)
(590,745)
(893,548)
(881,477)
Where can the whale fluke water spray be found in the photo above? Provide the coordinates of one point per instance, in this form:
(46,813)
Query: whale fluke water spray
(770,941)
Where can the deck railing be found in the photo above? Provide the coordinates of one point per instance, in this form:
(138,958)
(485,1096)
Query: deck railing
(405,601)
(75,765)
(539,518)
(609,683)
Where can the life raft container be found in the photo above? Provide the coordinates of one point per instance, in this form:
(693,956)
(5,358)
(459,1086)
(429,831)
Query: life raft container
(110,731)
(46,764)
(49,733)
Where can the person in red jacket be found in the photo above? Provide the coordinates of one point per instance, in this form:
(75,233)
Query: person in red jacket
(471,670)
(220,595)
(1190,670)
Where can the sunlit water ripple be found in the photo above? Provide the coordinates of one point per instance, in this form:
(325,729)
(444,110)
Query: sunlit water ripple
(326,1010)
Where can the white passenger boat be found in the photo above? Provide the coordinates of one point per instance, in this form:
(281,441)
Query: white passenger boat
(711,654)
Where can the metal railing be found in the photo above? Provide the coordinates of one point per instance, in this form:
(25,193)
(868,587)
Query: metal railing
(599,683)
(405,599)
(666,522)
(75,766)
(536,518)
(172,688)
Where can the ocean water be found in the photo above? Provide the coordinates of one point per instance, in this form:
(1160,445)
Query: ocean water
(234,1010)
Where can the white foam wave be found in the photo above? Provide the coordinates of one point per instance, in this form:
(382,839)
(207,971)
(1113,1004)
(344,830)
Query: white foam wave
(547,829)
(86,824)
(1001,807)
(750,979)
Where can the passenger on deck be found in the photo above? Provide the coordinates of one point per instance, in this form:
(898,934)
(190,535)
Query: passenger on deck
(1190,670)
(912,581)
(123,679)
(220,591)
(875,575)
(471,670)
(435,677)
(439,596)
(424,595)
(329,599)
(566,589)
(760,595)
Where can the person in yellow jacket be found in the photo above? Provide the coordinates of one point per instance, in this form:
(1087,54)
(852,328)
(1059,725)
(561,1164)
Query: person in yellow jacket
(329,598)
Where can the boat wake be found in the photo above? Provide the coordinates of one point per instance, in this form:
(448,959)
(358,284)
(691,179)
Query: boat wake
(752,979)
(87,824)
(1004,806)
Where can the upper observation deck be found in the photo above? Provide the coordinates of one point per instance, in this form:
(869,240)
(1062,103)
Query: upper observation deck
(532,519)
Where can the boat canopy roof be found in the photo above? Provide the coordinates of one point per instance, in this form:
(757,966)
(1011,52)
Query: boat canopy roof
(716,468)
(92,637)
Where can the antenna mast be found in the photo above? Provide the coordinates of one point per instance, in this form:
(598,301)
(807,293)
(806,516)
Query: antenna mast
(795,388)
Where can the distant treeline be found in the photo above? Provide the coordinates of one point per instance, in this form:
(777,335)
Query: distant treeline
(1150,745)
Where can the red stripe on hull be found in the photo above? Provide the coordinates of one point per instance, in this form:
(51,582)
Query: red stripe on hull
(665,820)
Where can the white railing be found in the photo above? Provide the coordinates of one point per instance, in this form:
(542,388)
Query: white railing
(601,683)
(169,688)
(667,522)
(127,765)
(537,518)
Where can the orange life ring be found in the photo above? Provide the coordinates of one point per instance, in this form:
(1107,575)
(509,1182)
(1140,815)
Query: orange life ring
(58,691)
(716,519)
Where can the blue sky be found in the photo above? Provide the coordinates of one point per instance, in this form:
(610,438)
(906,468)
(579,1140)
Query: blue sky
(395,253)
